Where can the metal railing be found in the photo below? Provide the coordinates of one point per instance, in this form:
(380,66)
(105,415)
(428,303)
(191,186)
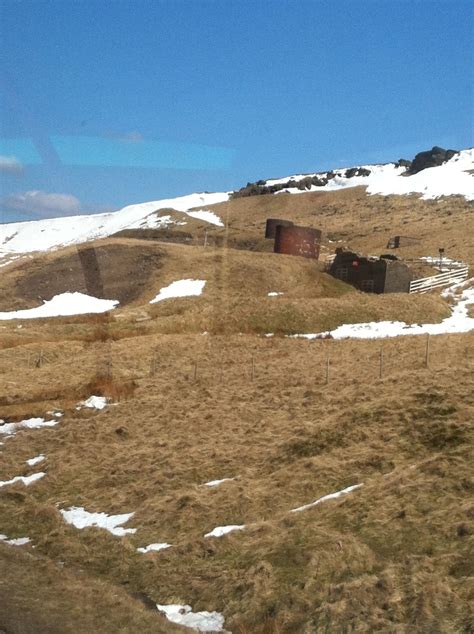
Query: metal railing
(425,284)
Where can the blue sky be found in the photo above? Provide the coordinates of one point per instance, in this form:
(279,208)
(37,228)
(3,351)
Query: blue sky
(109,102)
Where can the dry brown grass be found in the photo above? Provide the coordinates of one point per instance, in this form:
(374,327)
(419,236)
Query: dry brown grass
(38,595)
(353,219)
(391,556)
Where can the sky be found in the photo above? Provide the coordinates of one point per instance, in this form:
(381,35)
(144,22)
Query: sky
(105,103)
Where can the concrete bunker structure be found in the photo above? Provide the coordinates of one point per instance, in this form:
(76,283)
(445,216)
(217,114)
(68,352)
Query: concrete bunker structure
(384,274)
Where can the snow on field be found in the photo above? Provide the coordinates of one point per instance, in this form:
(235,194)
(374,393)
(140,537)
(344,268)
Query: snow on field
(64,305)
(153,547)
(154,221)
(216,483)
(18,541)
(436,261)
(6,259)
(275,293)
(207,216)
(451,178)
(80,518)
(35,460)
(219,531)
(458,322)
(199,621)
(180,288)
(10,429)
(330,496)
(42,235)
(94,402)
(26,480)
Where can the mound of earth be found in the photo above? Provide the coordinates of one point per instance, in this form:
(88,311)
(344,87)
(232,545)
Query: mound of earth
(108,271)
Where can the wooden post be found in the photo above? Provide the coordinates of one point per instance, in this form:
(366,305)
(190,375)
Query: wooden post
(327,370)
(427,351)
(205,238)
(381,364)
(39,361)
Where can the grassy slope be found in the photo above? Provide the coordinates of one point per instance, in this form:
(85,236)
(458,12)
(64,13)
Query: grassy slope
(392,556)
(38,595)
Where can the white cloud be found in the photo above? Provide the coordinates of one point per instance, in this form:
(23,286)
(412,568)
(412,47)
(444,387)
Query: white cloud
(42,203)
(10,164)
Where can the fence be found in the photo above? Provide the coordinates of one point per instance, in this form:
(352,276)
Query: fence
(425,284)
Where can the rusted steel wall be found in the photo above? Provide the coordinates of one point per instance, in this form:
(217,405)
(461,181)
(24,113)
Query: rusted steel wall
(272,224)
(294,240)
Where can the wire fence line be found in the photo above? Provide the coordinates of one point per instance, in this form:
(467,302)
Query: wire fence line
(322,361)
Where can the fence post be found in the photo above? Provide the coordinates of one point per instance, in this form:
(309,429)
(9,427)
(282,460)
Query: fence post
(427,351)
(327,370)
(39,361)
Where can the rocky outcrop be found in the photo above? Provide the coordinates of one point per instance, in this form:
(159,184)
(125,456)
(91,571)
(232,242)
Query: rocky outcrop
(431,158)
(305,183)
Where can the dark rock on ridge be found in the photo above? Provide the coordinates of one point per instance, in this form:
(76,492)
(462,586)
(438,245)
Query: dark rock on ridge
(431,158)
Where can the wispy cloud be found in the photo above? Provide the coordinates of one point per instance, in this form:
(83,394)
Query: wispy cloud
(133,137)
(42,204)
(10,164)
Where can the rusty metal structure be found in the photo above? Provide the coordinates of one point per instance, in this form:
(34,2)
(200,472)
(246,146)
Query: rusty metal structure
(294,240)
(272,224)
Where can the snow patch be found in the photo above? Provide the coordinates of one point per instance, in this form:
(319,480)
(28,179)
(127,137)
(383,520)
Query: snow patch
(35,460)
(215,483)
(153,547)
(26,480)
(219,531)
(80,518)
(458,322)
(274,293)
(31,423)
(330,496)
(18,541)
(180,288)
(63,305)
(199,621)
(95,402)
(207,216)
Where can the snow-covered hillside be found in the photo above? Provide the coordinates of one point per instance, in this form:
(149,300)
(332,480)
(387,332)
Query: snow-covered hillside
(42,235)
(455,177)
